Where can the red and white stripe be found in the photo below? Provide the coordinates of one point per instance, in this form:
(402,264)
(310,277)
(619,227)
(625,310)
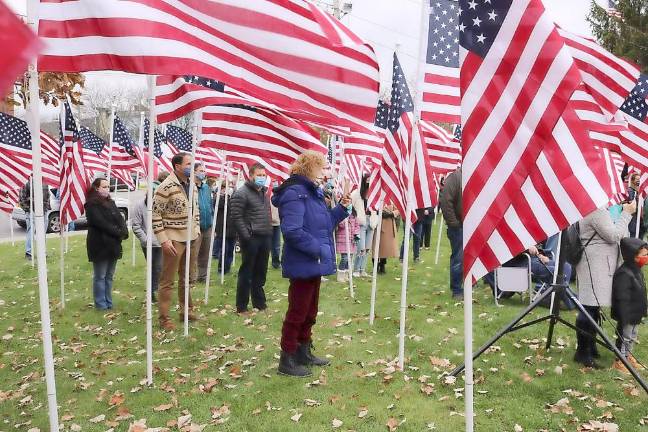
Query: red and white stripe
(260,135)
(50,160)
(511,101)
(285,52)
(16,164)
(9,200)
(614,164)
(211,159)
(444,152)
(441,100)
(368,144)
(608,78)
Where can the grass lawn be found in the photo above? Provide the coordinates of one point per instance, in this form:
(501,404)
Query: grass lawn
(224,374)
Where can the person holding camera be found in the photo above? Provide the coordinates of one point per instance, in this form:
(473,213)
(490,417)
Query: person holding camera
(600,233)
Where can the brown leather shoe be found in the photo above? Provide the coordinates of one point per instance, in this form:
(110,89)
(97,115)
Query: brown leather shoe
(619,366)
(635,364)
(167,325)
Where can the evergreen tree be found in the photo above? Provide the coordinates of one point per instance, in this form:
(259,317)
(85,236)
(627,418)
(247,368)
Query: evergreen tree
(623,32)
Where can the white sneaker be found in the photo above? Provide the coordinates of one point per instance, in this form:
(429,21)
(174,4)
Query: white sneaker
(365,274)
(356,274)
(342,276)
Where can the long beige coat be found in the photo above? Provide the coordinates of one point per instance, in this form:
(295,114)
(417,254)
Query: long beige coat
(601,256)
(388,247)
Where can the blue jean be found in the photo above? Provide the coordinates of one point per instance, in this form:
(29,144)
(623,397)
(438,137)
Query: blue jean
(102,282)
(157,267)
(28,239)
(545,274)
(344,262)
(455,235)
(230,244)
(276,246)
(417,235)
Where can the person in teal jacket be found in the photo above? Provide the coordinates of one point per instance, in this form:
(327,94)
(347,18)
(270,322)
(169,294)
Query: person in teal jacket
(206,206)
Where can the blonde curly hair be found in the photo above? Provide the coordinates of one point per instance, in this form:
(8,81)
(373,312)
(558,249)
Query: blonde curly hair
(308,164)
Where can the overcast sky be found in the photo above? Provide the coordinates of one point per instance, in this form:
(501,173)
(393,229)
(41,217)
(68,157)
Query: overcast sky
(383,24)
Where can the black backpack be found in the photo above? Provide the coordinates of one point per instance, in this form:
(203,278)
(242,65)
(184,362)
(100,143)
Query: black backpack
(572,248)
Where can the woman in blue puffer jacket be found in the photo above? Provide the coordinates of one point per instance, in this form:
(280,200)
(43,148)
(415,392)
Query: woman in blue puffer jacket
(308,254)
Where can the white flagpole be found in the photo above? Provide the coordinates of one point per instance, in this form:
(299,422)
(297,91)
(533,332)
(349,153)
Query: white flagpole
(222,261)
(130,220)
(110,145)
(348,232)
(468,354)
(62,264)
(192,191)
(238,179)
(33,120)
(436,257)
(374,278)
(557,259)
(639,207)
(149,235)
(31,217)
(213,234)
(425,13)
(11,232)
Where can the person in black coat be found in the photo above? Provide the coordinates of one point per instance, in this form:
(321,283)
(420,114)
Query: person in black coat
(629,304)
(106,231)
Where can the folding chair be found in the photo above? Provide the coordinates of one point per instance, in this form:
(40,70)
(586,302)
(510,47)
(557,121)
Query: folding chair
(513,279)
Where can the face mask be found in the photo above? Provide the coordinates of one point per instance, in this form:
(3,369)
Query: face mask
(349,208)
(186,171)
(260,181)
(641,260)
(615,212)
(201,176)
(103,193)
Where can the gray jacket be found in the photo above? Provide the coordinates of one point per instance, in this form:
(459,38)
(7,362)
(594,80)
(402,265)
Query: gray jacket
(601,256)
(250,212)
(451,202)
(138,222)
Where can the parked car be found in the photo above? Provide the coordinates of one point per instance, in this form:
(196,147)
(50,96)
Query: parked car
(118,185)
(53,219)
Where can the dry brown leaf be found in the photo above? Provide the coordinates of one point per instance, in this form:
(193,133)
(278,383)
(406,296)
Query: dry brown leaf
(98,419)
(363,412)
(296,417)
(117,399)
(392,424)
(164,407)
(336,423)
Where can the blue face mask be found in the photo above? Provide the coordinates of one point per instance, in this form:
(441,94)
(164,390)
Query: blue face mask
(615,212)
(349,208)
(260,181)
(201,176)
(186,171)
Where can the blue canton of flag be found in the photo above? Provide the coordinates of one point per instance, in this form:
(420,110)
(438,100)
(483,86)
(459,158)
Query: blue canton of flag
(69,128)
(443,39)
(121,137)
(14,132)
(158,139)
(382,113)
(205,82)
(457,134)
(91,141)
(636,105)
(401,98)
(480,23)
(181,139)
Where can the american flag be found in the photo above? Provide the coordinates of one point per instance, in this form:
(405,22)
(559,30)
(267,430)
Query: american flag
(9,200)
(125,155)
(182,140)
(635,111)
(614,164)
(19,46)
(608,78)
(285,52)
(16,155)
(159,142)
(612,9)
(15,152)
(401,128)
(95,157)
(444,148)
(74,181)
(514,89)
(249,135)
(367,144)
(441,101)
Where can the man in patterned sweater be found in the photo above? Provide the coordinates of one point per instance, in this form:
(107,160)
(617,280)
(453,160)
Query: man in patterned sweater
(170,225)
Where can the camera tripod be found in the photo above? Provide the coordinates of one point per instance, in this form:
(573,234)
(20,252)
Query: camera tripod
(557,292)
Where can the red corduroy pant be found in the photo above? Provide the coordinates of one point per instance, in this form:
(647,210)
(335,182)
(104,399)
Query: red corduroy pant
(303,301)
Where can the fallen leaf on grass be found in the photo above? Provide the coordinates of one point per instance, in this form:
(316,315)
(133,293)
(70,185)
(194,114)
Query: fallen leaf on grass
(164,407)
(116,399)
(296,417)
(363,412)
(392,424)
(336,423)
(98,419)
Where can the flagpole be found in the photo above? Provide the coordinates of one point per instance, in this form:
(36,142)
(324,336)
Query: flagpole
(374,279)
(11,231)
(639,207)
(62,264)
(149,235)
(32,235)
(347,229)
(192,190)
(213,233)
(436,257)
(112,132)
(238,179)
(130,220)
(222,261)
(425,13)
(33,120)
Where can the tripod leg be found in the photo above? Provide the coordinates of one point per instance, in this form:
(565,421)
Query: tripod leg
(508,328)
(552,320)
(611,346)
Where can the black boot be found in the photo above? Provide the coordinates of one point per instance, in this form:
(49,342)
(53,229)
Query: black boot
(585,351)
(288,365)
(305,356)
